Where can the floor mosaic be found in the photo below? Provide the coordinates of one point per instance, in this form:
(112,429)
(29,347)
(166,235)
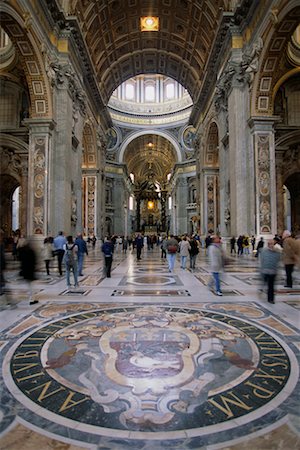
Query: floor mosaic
(183,373)
(149,360)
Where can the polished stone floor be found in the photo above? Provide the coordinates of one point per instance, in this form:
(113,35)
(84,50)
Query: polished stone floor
(149,359)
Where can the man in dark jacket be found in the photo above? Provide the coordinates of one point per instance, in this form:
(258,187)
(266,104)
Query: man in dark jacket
(108,250)
(28,263)
(82,250)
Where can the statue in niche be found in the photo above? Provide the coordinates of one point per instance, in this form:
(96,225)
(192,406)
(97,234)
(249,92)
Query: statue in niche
(73,208)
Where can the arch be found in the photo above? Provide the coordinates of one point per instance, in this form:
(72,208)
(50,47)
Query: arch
(31,60)
(272,73)
(136,134)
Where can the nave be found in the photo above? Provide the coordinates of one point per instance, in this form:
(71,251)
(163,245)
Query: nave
(150,360)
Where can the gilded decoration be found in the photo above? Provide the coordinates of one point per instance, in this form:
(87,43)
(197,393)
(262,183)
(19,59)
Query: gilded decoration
(210,187)
(264,183)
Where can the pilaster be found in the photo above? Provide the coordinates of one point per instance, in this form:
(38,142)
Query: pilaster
(262,129)
(39,176)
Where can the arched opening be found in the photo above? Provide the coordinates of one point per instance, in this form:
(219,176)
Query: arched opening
(292,202)
(10,204)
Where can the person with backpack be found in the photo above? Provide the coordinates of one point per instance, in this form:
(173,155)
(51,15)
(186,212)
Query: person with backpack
(70,259)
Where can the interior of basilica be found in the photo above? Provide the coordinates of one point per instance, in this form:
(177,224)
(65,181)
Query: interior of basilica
(160,117)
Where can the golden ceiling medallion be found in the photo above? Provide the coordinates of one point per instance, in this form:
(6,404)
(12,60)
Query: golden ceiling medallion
(150,204)
(149,23)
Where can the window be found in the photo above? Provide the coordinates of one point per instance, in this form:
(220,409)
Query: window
(131,203)
(129,91)
(170,91)
(149,93)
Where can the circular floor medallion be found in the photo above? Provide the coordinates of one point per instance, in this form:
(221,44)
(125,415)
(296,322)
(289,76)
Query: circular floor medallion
(141,371)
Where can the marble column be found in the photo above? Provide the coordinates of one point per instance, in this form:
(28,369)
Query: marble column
(181,202)
(240,160)
(265,175)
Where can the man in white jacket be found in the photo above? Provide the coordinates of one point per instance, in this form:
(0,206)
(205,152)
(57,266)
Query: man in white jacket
(216,261)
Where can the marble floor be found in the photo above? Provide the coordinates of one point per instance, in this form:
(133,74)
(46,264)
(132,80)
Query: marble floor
(149,359)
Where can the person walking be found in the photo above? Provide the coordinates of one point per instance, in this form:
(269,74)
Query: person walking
(108,251)
(216,261)
(59,243)
(139,244)
(163,247)
(290,256)
(82,251)
(184,248)
(269,261)
(70,260)
(28,260)
(240,245)
(172,249)
(48,249)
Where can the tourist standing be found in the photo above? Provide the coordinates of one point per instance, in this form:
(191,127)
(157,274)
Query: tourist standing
(194,250)
(59,243)
(70,259)
(82,251)
(139,244)
(269,260)
(232,245)
(172,249)
(184,248)
(290,256)
(48,249)
(108,251)
(216,260)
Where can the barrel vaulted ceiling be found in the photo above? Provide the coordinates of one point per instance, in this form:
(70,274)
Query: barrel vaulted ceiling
(150,157)
(119,50)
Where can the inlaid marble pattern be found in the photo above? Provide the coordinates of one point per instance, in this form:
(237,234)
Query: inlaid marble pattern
(120,376)
(150,280)
(159,293)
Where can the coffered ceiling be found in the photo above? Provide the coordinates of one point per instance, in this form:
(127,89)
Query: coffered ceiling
(150,162)
(119,50)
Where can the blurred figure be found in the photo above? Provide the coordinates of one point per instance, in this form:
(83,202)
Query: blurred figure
(108,251)
(290,256)
(216,260)
(48,249)
(82,250)
(232,245)
(59,243)
(70,259)
(28,264)
(253,241)
(94,240)
(269,261)
(2,262)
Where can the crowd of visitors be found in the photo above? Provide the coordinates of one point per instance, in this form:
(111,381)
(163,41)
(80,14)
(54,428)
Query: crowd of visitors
(70,254)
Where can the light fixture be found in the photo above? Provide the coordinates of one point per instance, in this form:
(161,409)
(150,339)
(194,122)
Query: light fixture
(149,23)
(150,204)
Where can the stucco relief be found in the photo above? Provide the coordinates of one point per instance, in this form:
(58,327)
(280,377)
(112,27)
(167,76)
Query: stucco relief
(91,205)
(210,203)
(264,183)
(10,162)
(39,166)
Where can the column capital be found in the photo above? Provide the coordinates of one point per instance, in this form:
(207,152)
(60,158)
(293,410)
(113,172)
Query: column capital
(263,123)
(39,125)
